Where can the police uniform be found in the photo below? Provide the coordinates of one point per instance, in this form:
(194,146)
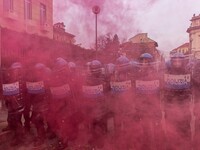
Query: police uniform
(93,100)
(38,92)
(177,101)
(121,102)
(13,92)
(147,88)
(61,95)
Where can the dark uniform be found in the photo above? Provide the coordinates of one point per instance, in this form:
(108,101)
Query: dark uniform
(147,103)
(13,92)
(27,109)
(195,65)
(74,82)
(177,101)
(121,103)
(38,92)
(61,96)
(94,102)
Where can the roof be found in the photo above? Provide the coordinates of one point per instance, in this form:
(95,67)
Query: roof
(63,32)
(182,46)
(195,17)
(141,36)
(69,34)
(60,28)
(136,46)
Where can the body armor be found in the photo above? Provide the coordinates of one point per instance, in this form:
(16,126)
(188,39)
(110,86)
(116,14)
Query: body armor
(147,89)
(177,79)
(13,89)
(93,100)
(38,93)
(121,103)
(14,92)
(37,88)
(177,101)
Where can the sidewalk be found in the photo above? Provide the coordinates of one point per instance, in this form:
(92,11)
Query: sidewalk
(3,116)
(5,137)
(3,123)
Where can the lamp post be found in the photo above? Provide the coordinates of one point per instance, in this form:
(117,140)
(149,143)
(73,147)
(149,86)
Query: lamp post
(96,11)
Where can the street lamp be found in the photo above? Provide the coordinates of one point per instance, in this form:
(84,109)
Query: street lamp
(96,11)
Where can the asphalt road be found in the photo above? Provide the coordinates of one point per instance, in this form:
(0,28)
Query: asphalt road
(5,137)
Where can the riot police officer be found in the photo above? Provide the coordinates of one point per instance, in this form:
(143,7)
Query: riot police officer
(13,92)
(38,92)
(93,101)
(60,101)
(75,79)
(177,100)
(121,102)
(147,81)
(196,101)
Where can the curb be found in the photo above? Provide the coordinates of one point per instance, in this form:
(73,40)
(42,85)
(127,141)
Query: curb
(4,136)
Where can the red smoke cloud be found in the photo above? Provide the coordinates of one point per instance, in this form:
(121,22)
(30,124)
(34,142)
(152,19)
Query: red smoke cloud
(114,17)
(88,3)
(127,18)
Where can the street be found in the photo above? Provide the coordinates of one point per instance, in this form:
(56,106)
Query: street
(50,143)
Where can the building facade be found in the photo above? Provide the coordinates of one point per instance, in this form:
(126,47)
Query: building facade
(139,44)
(59,34)
(28,16)
(182,49)
(194,35)
(25,25)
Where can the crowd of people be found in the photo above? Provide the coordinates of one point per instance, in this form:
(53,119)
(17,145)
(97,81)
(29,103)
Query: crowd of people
(131,105)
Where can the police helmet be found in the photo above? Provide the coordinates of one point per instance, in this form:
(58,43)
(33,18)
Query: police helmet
(16,65)
(122,63)
(146,58)
(71,65)
(95,67)
(16,68)
(39,66)
(39,70)
(177,59)
(60,64)
(122,60)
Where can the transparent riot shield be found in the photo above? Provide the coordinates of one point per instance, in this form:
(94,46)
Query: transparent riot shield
(177,100)
(147,99)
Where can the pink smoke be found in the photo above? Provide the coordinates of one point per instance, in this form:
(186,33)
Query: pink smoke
(127,18)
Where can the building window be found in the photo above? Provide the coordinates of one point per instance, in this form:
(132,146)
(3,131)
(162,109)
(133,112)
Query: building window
(28,9)
(43,14)
(8,5)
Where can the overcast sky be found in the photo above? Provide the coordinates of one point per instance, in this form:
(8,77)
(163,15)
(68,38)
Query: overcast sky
(165,21)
